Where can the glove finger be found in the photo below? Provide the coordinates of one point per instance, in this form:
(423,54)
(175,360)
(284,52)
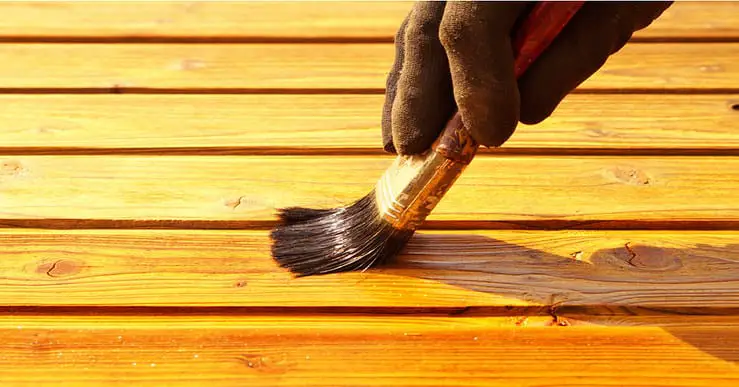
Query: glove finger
(477,38)
(391,89)
(596,32)
(423,100)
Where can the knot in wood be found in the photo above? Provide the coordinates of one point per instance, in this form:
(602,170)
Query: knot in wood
(59,268)
(652,258)
(275,364)
(10,167)
(629,175)
(191,64)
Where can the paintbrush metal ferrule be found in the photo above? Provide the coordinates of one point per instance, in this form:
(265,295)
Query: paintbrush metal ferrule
(413,185)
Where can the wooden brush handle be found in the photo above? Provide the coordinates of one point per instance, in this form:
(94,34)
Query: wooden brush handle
(538,30)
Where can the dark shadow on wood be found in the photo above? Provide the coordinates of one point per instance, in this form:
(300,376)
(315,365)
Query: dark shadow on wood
(631,281)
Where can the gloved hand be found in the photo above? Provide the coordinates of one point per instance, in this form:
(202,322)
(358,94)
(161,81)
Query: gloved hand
(458,55)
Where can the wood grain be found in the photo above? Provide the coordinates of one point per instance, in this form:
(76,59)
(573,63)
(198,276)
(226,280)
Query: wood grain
(344,122)
(296,352)
(204,303)
(288,19)
(696,19)
(500,273)
(320,66)
(257,19)
(493,191)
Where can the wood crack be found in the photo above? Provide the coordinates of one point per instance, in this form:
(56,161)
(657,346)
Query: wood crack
(51,269)
(631,253)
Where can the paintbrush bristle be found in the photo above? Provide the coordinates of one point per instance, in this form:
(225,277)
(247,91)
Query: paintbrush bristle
(323,241)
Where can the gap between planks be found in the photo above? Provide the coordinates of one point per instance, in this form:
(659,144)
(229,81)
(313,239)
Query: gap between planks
(119,89)
(214,40)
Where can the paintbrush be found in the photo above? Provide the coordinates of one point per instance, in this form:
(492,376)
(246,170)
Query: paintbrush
(376,228)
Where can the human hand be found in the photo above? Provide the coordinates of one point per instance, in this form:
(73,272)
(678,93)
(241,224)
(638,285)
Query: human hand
(458,56)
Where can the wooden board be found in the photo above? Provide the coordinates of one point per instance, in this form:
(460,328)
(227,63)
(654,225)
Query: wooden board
(495,191)
(320,66)
(232,351)
(93,291)
(34,123)
(493,272)
(696,20)
(256,19)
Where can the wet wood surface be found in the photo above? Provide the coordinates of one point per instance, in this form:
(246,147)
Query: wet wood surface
(289,351)
(605,271)
(143,153)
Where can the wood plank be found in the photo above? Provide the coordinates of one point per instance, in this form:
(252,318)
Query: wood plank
(597,191)
(319,66)
(346,122)
(699,19)
(227,351)
(288,19)
(205,19)
(506,273)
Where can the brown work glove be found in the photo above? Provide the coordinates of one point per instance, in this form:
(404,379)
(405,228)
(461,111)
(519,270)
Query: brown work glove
(473,39)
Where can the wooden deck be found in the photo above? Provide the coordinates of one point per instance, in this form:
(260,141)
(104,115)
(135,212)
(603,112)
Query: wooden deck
(143,151)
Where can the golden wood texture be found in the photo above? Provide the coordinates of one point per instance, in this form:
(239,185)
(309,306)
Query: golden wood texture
(320,66)
(503,272)
(465,305)
(342,122)
(358,351)
(259,19)
(499,190)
